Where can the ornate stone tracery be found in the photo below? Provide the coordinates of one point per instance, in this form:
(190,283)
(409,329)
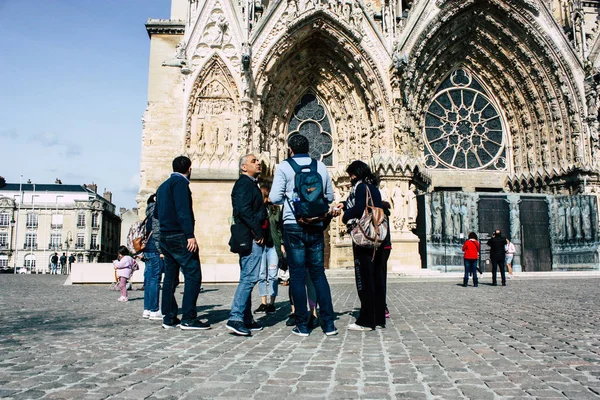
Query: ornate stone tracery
(212,119)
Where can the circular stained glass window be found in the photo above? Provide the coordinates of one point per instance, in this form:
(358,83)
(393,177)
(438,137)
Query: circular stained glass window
(463,128)
(310,120)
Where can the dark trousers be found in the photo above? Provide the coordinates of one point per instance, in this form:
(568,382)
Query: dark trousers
(177,256)
(370,284)
(470,268)
(305,253)
(498,263)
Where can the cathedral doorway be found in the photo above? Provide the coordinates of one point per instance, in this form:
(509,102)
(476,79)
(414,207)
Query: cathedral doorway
(493,215)
(535,235)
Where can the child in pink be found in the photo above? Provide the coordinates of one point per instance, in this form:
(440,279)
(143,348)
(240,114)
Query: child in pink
(124,266)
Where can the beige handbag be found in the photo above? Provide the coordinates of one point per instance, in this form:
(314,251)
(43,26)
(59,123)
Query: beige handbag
(372,228)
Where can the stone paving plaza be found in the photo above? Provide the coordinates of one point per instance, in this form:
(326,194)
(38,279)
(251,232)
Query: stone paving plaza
(536,338)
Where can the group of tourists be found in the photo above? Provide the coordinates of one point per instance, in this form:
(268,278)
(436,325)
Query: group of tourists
(56,261)
(502,252)
(276,225)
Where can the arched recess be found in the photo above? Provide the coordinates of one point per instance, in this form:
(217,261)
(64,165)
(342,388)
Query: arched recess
(322,55)
(212,117)
(520,64)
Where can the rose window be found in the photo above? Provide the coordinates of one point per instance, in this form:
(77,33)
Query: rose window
(463,128)
(310,120)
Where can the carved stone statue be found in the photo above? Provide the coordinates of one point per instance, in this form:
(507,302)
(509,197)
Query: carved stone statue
(586,219)
(222,27)
(576,217)
(411,200)
(398,206)
(515,222)
(449,226)
(562,223)
(180,57)
(465,215)
(456,216)
(385,192)
(436,213)
(569,221)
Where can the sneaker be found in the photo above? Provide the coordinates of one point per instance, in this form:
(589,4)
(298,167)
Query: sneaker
(254,326)
(261,309)
(331,331)
(155,315)
(194,325)
(270,309)
(356,327)
(123,298)
(171,326)
(300,332)
(238,328)
(291,321)
(380,327)
(146,314)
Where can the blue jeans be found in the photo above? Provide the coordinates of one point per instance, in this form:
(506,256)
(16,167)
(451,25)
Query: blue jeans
(152,274)
(470,268)
(177,256)
(268,272)
(241,309)
(305,252)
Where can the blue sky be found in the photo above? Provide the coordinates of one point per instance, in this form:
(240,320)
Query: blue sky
(73,84)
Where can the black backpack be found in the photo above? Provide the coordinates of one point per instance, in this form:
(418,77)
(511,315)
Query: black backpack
(308,201)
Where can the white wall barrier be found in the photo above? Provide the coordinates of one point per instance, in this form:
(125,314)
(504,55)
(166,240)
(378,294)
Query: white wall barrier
(105,273)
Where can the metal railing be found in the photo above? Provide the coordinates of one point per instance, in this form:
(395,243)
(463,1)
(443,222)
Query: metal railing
(30,246)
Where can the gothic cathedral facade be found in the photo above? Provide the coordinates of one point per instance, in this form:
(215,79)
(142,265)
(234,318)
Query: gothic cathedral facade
(476,114)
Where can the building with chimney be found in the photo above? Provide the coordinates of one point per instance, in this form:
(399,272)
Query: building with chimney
(38,220)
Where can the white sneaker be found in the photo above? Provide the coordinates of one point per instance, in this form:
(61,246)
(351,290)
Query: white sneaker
(123,298)
(155,316)
(146,314)
(355,327)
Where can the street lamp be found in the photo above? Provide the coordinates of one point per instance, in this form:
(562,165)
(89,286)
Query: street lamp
(17,223)
(68,242)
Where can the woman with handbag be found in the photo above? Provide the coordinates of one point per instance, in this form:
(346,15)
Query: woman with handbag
(365,198)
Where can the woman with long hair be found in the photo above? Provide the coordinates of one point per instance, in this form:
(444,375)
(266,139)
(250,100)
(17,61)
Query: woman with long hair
(369,268)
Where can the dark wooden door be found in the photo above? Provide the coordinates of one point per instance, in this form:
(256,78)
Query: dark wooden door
(493,215)
(535,235)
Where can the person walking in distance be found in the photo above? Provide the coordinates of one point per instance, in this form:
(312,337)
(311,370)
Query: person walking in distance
(303,186)
(154,264)
(71,260)
(250,212)
(509,250)
(178,245)
(496,244)
(471,248)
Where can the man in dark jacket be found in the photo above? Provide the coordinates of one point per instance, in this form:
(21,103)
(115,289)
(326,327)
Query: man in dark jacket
(496,244)
(250,211)
(178,245)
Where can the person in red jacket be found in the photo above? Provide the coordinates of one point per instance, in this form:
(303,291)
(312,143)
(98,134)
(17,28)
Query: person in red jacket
(471,249)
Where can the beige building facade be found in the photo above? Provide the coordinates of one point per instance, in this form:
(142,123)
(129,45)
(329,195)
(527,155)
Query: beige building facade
(461,96)
(38,220)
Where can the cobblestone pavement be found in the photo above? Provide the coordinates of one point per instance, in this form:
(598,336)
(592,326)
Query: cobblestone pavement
(536,338)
